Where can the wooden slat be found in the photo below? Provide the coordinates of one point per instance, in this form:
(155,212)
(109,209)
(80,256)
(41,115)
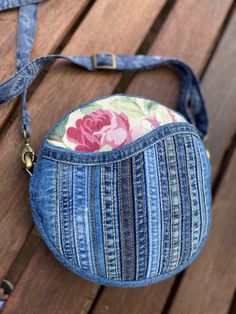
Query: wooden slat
(209,284)
(148,299)
(61,89)
(57,291)
(156,85)
(187,36)
(219,85)
(54,21)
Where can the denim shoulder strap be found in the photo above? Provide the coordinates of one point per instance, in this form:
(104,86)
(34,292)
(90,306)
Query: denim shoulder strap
(18,83)
(25,39)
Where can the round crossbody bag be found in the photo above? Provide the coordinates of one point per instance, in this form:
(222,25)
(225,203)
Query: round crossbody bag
(120,189)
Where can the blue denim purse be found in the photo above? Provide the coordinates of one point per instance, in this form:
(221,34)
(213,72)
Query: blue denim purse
(120,189)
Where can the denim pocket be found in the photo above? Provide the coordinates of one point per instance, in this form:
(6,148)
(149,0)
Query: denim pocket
(127,222)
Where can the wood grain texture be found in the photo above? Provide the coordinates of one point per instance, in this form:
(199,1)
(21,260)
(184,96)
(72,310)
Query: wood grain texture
(54,21)
(187,36)
(62,88)
(158,85)
(219,86)
(209,284)
(57,291)
(148,299)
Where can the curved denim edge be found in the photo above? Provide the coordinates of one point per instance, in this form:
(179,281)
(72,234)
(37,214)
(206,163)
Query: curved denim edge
(123,152)
(104,281)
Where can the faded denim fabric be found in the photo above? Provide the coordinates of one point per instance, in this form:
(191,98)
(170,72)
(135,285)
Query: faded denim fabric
(128,217)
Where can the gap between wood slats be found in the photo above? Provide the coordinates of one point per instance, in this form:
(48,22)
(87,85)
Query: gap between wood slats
(221,33)
(146,44)
(15,111)
(32,241)
(232,309)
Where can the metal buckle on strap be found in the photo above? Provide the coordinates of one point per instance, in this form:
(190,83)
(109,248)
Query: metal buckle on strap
(110,67)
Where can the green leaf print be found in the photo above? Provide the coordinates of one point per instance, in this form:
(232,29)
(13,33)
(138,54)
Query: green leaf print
(90,108)
(54,137)
(151,106)
(128,106)
(61,128)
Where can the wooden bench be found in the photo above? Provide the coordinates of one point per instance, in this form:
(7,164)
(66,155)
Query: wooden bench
(202,33)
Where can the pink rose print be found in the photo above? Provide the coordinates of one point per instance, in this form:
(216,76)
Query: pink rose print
(153,121)
(148,123)
(99,128)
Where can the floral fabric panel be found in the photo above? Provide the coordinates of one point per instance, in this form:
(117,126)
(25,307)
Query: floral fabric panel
(109,123)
